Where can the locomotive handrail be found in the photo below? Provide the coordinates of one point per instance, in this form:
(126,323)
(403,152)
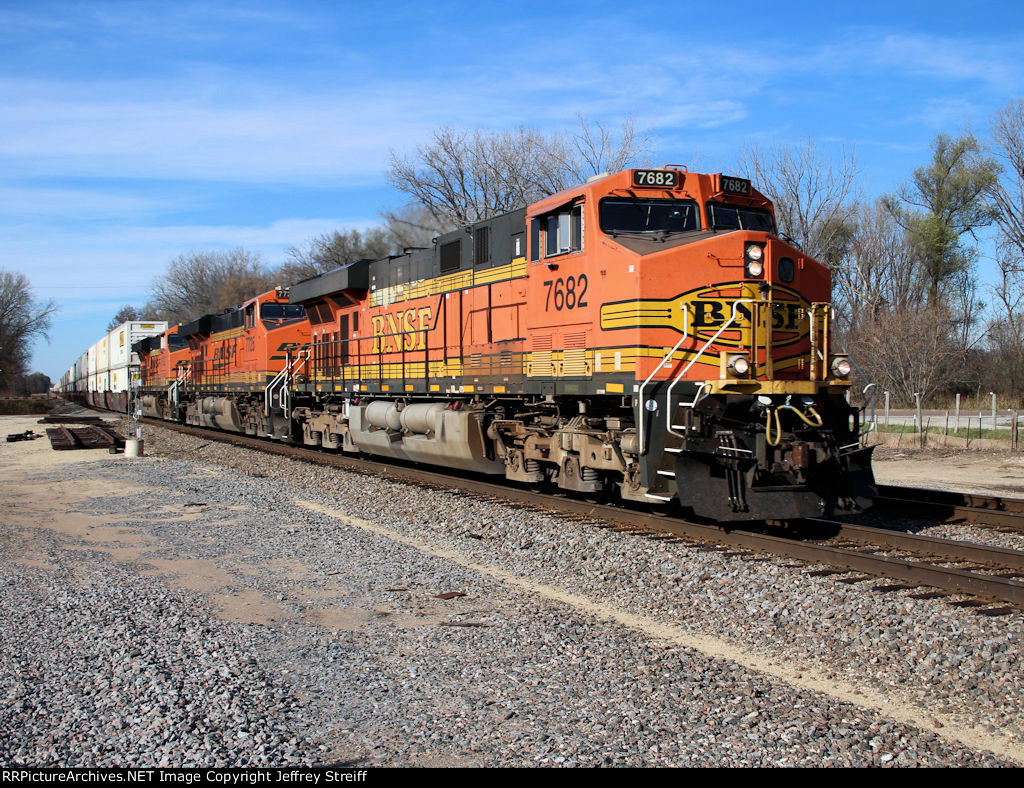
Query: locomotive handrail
(278,380)
(668,398)
(286,393)
(668,402)
(184,373)
(268,391)
(816,351)
(863,409)
(640,392)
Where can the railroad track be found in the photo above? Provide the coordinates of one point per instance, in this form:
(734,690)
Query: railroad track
(993,511)
(91,436)
(990,573)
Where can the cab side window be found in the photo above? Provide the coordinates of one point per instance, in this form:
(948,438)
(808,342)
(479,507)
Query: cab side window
(563,231)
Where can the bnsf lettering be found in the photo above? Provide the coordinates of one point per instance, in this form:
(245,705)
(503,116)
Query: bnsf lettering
(712,314)
(224,352)
(786,317)
(406,330)
(708,313)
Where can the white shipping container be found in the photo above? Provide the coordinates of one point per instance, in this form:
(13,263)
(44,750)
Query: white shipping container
(103,355)
(82,372)
(121,339)
(119,377)
(94,354)
(120,347)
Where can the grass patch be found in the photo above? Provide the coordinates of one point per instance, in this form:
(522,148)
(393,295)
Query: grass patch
(25,406)
(962,432)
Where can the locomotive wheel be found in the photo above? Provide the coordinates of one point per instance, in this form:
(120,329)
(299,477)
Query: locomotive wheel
(541,486)
(598,497)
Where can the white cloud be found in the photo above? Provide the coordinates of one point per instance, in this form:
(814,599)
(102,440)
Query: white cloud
(71,204)
(952,59)
(217,123)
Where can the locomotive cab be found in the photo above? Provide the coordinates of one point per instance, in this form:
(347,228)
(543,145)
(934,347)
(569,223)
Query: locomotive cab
(673,289)
(744,415)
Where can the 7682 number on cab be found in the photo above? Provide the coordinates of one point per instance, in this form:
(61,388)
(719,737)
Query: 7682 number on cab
(566,293)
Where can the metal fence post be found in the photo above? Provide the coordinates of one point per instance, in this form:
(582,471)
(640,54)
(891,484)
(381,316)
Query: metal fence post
(920,422)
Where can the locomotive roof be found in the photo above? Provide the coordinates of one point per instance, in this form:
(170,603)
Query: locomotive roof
(503,241)
(354,276)
(694,185)
(201,325)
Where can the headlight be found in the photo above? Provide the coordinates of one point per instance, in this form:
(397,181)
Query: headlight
(841,367)
(738,366)
(754,260)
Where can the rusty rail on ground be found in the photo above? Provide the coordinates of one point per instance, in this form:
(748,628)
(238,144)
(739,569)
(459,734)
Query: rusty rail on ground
(949,506)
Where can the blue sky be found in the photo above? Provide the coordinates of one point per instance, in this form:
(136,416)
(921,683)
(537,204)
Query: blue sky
(133,132)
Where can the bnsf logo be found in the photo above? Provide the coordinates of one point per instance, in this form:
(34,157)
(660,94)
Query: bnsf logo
(702,312)
(711,308)
(406,330)
(224,354)
(712,313)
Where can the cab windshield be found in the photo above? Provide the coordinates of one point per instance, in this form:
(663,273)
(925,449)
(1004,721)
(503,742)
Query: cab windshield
(282,311)
(626,215)
(735,217)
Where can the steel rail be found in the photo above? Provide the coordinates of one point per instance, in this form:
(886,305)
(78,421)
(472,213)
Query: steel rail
(916,573)
(953,506)
(929,545)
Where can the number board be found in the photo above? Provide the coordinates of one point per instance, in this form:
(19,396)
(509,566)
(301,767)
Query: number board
(665,179)
(735,185)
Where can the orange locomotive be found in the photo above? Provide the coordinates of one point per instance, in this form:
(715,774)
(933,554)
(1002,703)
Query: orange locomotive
(646,334)
(225,370)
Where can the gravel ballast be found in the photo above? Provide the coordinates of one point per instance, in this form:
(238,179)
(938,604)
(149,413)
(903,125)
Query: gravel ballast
(237,608)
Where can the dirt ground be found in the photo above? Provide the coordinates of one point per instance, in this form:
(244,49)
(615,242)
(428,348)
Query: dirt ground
(984,472)
(34,501)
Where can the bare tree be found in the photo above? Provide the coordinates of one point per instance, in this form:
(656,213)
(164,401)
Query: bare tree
(124,314)
(414,225)
(23,319)
(465,176)
(200,283)
(1006,198)
(1006,194)
(333,250)
(879,270)
(909,351)
(814,197)
(37,383)
(1006,329)
(595,148)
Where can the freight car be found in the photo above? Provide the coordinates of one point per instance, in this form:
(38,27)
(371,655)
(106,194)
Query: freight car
(103,374)
(646,335)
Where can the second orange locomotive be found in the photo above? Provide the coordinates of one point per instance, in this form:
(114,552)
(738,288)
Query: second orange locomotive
(646,334)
